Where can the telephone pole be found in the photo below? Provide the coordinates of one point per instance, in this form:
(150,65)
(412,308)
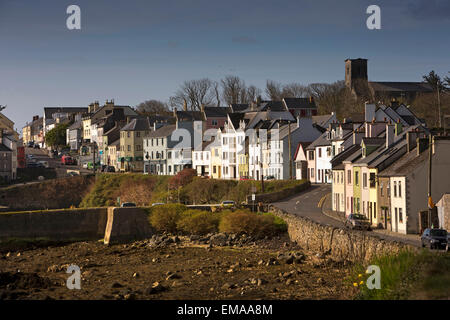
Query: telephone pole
(429,179)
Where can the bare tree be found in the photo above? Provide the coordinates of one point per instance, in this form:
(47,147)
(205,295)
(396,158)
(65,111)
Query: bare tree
(152,107)
(252,93)
(295,90)
(274,90)
(233,89)
(194,93)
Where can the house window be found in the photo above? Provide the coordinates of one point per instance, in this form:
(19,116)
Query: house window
(349,176)
(169,155)
(400,215)
(364,180)
(129,147)
(128,134)
(399,188)
(311,155)
(356,178)
(320,152)
(381,189)
(372,180)
(214,123)
(395,188)
(138,134)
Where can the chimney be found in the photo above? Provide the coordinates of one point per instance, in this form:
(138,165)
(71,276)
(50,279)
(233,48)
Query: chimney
(398,127)
(422,145)
(389,135)
(154,126)
(174,112)
(369,111)
(1,136)
(185,105)
(411,140)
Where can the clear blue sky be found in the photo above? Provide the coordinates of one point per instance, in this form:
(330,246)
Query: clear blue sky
(136,50)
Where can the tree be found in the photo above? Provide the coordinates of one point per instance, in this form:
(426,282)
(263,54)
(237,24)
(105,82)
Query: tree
(194,93)
(273,90)
(233,89)
(56,137)
(152,107)
(436,83)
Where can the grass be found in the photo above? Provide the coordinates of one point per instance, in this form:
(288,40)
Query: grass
(147,189)
(407,275)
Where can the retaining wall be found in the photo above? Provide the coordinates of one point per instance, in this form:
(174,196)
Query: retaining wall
(346,244)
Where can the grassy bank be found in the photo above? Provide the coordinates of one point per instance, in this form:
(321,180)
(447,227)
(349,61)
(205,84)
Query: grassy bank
(147,189)
(407,275)
(178,219)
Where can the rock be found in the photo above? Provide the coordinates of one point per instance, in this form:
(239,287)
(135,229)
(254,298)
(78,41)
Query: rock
(230,270)
(260,282)
(8,254)
(173,276)
(260,262)
(288,281)
(176,239)
(135,275)
(129,296)
(320,281)
(155,288)
(286,274)
(219,239)
(289,260)
(228,286)
(116,285)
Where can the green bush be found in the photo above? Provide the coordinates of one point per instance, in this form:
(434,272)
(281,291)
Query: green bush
(198,222)
(256,225)
(164,218)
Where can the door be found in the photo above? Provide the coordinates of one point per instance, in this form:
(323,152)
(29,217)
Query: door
(396,220)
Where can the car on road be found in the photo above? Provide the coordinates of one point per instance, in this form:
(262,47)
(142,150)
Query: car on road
(228,204)
(269,178)
(108,169)
(44,163)
(357,221)
(157,204)
(67,160)
(128,204)
(30,144)
(434,238)
(36,146)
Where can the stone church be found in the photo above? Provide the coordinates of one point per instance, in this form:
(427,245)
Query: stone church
(356,79)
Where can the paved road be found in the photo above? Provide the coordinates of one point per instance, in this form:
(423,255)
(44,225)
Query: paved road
(309,204)
(306,204)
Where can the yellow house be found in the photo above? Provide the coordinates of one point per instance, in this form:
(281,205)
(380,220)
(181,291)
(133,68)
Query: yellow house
(132,144)
(111,154)
(243,165)
(8,126)
(216,162)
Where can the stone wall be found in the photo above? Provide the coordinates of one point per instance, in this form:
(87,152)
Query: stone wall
(76,224)
(279,195)
(351,245)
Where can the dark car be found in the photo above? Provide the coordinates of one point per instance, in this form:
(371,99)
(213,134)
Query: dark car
(128,204)
(357,221)
(36,146)
(434,238)
(110,169)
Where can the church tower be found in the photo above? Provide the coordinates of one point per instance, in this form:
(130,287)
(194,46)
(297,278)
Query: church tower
(355,69)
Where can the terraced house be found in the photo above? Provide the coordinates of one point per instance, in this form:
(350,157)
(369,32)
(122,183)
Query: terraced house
(132,144)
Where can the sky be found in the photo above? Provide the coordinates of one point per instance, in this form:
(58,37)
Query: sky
(137,50)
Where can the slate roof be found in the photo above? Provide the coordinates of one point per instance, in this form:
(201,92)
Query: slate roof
(239,107)
(272,106)
(189,115)
(400,86)
(320,142)
(322,120)
(4,148)
(163,131)
(216,112)
(405,164)
(75,125)
(299,103)
(235,119)
(138,124)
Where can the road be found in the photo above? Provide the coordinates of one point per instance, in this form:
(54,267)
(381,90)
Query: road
(309,204)
(61,170)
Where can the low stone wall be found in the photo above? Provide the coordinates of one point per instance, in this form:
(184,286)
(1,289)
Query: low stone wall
(127,224)
(345,244)
(279,195)
(111,224)
(76,224)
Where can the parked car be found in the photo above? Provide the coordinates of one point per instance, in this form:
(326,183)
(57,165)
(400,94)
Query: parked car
(32,165)
(128,204)
(269,178)
(357,221)
(44,163)
(228,204)
(30,144)
(36,146)
(108,168)
(157,204)
(434,238)
(67,160)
